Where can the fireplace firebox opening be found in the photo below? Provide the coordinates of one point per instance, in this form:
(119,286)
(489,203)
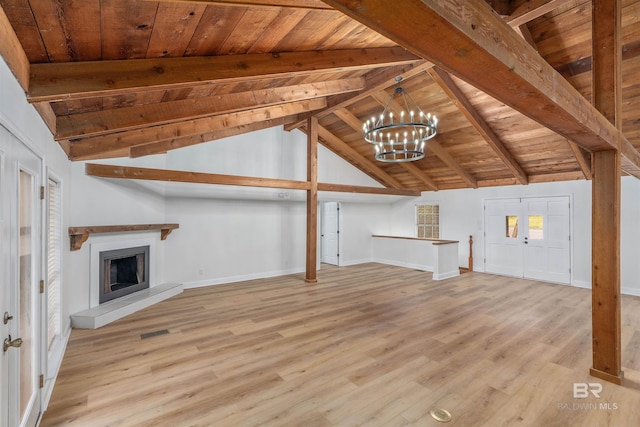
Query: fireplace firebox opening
(123,271)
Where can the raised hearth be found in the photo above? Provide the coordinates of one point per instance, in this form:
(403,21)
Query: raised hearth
(103,314)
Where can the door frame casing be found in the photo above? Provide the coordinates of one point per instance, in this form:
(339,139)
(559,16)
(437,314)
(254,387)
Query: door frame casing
(11,164)
(571,229)
(340,233)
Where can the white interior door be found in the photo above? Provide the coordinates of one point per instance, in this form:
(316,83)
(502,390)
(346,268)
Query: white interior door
(330,234)
(546,240)
(529,238)
(503,238)
(20,180)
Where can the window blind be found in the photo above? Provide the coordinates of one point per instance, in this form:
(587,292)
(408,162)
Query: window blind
(54,255)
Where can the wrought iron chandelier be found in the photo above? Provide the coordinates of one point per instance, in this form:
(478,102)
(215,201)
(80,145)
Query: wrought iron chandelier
(401,138)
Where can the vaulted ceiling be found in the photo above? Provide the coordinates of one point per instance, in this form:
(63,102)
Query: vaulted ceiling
(115,78)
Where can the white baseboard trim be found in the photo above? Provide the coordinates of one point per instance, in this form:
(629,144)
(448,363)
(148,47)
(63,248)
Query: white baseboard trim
(624,290)
(581,284)
(240,278)
(446,275)
(421,267)
(630,291)
(50,381)
(355,262)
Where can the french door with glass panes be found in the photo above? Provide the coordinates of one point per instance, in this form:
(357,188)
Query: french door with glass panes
(529,238)
(20,305)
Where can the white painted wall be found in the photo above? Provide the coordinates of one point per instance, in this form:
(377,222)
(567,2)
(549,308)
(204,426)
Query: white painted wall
(221,241)
(629,236)
(360,222)
(461,215)
(230,234)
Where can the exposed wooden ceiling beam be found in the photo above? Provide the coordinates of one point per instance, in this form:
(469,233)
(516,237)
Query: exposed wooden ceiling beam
(349,119)
(356,124)
(630,158)
(469,40)
(446,158)
(523,30)
(502,7)
(113,171)
(149,174)
(532,9)
(70,80)
(148,149)
(140,116)
(162,147)
(583,158)
(298,4)
(12,52)
(47,114)
(375,81)
(533,179)
(341,188)
(454,93)
(340,147)
(420,174)
(583,65)
(177,135)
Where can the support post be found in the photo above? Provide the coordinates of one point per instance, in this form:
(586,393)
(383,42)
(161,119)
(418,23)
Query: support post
(312,199)
(607,83)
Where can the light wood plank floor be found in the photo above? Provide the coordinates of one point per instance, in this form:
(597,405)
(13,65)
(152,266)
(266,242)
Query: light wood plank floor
(369,345)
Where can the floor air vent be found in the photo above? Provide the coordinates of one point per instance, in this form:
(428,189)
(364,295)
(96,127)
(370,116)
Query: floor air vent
(154,334)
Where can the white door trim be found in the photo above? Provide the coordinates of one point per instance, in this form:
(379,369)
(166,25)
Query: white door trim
(521,272)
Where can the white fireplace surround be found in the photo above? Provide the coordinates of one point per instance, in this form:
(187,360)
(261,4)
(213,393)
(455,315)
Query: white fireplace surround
(94,270)
(97,314)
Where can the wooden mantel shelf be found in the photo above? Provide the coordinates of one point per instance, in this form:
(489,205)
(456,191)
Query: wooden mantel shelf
(79,235)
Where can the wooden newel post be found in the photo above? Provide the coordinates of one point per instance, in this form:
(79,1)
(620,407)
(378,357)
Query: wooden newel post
(470,252)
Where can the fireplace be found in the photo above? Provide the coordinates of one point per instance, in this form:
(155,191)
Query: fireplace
(122,272)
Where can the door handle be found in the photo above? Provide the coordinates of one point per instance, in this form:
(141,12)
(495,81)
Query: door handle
(8,342)
(526,241)
(6,318)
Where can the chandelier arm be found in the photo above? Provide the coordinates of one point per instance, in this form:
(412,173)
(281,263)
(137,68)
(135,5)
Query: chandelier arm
(406,104)
(386,109)
(414,102)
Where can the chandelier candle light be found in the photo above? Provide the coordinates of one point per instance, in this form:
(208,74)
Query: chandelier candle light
(403,138)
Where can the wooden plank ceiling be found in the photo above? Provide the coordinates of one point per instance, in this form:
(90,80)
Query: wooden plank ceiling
(117,78)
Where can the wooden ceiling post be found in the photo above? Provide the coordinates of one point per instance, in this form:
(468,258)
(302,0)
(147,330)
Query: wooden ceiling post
(312,200)
(607,62)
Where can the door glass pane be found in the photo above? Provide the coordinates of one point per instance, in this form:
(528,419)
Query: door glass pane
(25,279)
(536,227)
(512,225)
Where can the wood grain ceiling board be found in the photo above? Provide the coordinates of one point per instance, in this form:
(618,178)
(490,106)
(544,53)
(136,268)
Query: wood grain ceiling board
(70,30)
(173,29)
(126,28)
(215,25)
(65,31)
